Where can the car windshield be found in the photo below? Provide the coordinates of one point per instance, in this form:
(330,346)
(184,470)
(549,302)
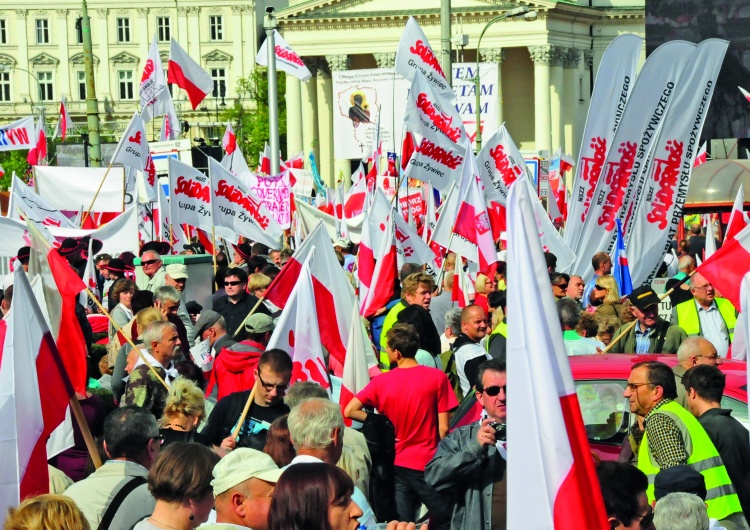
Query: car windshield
(604,409)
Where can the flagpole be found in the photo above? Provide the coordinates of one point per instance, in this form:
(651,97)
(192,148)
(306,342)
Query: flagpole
(213,241)
(171,237)
(245,410)
(75,406)
(442,265)
(242,324)
(96,194)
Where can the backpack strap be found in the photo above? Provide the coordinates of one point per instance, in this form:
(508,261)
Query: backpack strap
(126,490)
(661,337)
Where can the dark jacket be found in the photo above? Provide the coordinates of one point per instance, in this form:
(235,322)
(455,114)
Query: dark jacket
(234,314)
(668,336)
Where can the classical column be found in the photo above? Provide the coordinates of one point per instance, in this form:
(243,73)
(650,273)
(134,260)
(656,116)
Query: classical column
(570,106)
(63,73)
(194,31)
(181,25)
(108,87)
(496,55)
(557,97)
(325,123)
(293,100)
(139,32)
(22,82)
(342,169)
(542,56)
(385,60)
(309,100)
(238,50)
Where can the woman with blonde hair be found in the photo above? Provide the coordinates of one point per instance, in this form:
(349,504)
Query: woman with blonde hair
(183,412)
(607,291)
(46,512)
(484,285)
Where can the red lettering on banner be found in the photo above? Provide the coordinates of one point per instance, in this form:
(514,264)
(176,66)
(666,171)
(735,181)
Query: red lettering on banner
(616,179)
(310,371)
(401,236)
(592,168)
(509,172)
(425,53)
(666,175)
(150,170)
(193,190)
(20,136)
(236,196)
(290,56)
(147,70)
(441,120)
(440,155)
(135,139)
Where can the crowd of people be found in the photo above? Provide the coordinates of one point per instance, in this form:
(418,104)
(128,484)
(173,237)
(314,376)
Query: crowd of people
(233,444)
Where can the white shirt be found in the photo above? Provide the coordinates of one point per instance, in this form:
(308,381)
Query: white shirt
(713,328)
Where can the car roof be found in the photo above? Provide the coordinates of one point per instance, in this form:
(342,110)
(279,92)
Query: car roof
(618,366)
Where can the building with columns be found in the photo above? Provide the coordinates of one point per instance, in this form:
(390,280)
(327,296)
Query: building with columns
(547,64)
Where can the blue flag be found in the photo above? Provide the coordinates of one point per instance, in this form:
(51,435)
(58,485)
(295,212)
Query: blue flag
(620,269)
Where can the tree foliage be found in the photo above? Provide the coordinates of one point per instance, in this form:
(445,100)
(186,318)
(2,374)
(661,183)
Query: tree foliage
(13,161)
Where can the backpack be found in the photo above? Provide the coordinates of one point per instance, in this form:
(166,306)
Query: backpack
(380,434)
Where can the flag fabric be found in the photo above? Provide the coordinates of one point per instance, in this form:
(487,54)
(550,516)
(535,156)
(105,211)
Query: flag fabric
(560,487)
(702,156)
(236,164)
(473,224)
(38,153)
(620,268)
(309,216)
(407,149)
(741,343)
(461,281)
(132,149)
(118,235)
(65,123)
(190,197)
(745,93)
(229,140)
(188,75)
(728,266)
(738,218)
(499,164)
(153,83)
(354,204)
(170,125)
(374,232)
(264,162)
(20,134)
(710,246)
(33,205)
(384,274)
(409,246)
(287,59)
(356,374)
(334,296)
(89,279)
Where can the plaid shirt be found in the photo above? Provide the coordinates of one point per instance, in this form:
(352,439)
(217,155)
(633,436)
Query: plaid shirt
(665,439)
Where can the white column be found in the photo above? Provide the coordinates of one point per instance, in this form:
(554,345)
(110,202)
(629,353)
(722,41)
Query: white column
(193,37)
(557,97)
(63,73)
(325,124)
(309,100)
(342,169)
(238,50)
(541,55)
(570,80)
(495,56)
(102,39)
(293,99)
(20,80)
(584,96)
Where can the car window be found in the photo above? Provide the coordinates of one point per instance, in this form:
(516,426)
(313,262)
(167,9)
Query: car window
(738,408)
(606,413)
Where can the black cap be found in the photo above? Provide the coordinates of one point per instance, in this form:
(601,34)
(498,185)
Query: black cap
(643,297)
(244,249)
(683,479)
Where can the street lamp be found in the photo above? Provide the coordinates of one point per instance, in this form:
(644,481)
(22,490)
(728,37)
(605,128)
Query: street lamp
(516,12)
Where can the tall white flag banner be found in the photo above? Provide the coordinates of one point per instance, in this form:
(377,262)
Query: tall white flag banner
(21,134)
(499,164)
(660,201)
(153,83)
(614,83)
(170,124)
(287,59)
(69,188)
(132,150)
(741,341)
(414,55)
(39,210)
(190,196)
(236,207)
(640,126)
(432,115)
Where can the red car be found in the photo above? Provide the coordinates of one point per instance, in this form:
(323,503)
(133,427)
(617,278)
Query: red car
(600,383)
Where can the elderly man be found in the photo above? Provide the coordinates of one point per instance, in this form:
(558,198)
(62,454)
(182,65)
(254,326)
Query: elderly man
(237,303)
(707,316)
(177,277)
(143,388)
(211,326)
(673,437)
(167,300)
(651,334)
(575,289)
(469,354)
(570,314)
(151,265)
(116,495)
(692,352)
(685,265)
(243,483)
(470,462)
(442,303)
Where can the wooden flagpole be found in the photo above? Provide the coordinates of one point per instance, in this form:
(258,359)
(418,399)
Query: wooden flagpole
(248,403)
(96,194)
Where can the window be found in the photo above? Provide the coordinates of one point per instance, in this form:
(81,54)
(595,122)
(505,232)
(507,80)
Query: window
(3,31)
(125,79)
(123,30)
(46,89)
(605,412)
(219,75)
(81,83)
(4,86)
(216,27)
(162,29)
(42,31)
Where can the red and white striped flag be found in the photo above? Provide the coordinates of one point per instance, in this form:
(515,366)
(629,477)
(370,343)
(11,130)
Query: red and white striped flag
(473,224)
(229,140)
(264,164)
(65,123)
(745,93)
(38,153)
(550,485)
(170,125)
(738,218)
(728,265)
(188,75)
(374,233)
(354,204)
(356,373)
(702,156)
(384,274)
(461,281)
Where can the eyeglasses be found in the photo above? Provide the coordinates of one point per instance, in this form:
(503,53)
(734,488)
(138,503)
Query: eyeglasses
(231,284)
(149,262)
(647,519)
(493,391)
(634,386)
(158,437)
(709,357)
(704,287)
(269,387)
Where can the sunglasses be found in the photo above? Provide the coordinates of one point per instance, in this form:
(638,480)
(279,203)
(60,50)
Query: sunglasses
(562,286)
(599,287)
(647,519)
(493,391)
(149,262)
(231,284)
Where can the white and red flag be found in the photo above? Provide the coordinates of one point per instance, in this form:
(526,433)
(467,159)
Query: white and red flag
(473,224)
(374,236)
(190,196)
(33,205)
(409,246)
(499,164)
(153,84)
(65,123)
(461,283)
(229,140)
(170,124)
(132,149)
(298,330)
(354,204)
(287,59)
(188,75)
(264,163)
(117,235)
(702,156)
(334,296)
(384,274)
(38,153)
(550,485)
(408,146)
(356,373)
(745,93)
(237,165)
(738,218)
(20,134)
(89,277)
(728,266)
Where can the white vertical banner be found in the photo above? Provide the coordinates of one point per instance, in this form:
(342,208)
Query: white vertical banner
(499,164)
(466,99)
(189,196)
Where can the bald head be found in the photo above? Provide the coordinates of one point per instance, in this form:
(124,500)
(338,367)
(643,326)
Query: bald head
(697,350)
(473,322)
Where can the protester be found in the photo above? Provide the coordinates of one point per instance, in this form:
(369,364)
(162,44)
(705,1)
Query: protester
(73,460)
(497,340)
(606,330)
(344,246)
(257,284)
(624,492)
(151,265)
(212,327)
(428,353)
(237,303)
(183,412)
(468,352)
(177,277)
(279,444)
(46,512)
(180,481)
(132,443)
(167,300)
(242,253)
(551,261)
(484,285)
(115,270)
(575,344)
(685,266)
(122,313)
(602,264)
(692,352)
(575,289)
(607,291)
(275,256)
(680,511)
(143,318)
(560,283)
(442,303)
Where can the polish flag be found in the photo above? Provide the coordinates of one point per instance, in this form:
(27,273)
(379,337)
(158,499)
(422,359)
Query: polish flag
(554,485)
(745,93)
(384,275)
(702,156)
(188,75)
(89,277)
(391,170)
(34,395)
(710,246)
(354,203)
(461,281)
(374,234)
(356,374)
(65,124)
(38,153)
(132,149)
(334,295)
(153,84)
(473,224)
(738,218)
(296,162)
(408,146)
(170,125)
(728,265)
(264,165)
(229,140)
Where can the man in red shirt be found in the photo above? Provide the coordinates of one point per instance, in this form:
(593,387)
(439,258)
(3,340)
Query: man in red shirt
(417,399)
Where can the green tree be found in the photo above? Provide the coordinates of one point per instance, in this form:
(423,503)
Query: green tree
(251,125)
(13,161)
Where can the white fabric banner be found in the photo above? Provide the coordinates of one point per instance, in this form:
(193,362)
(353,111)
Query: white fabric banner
(309,217)
(70,188)
(660,201)
(287,59)
(118,235)
(153,83)
(639,129)
(21,134)
(499,164)
(189,196)
(132,149)
(275,194)
(466,100)
(38,210)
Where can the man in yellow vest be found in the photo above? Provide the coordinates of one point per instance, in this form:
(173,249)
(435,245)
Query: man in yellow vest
(707,316)
(673,437)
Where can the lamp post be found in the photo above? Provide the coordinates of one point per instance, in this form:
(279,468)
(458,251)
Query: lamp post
(516,12)
(269,24)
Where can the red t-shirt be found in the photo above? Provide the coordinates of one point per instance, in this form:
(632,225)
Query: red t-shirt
(412,398)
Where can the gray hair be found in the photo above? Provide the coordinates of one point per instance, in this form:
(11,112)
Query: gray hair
(312,422)
(684,263)
(453,320)
(680,511)
(690,347)
(303,391)
(568,312)
(166,293)
(154,332)
(154,254)
(127,430)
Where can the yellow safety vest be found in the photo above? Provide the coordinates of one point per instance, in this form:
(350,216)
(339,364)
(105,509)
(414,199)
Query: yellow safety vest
(500,329)
(687,317)
(721,497)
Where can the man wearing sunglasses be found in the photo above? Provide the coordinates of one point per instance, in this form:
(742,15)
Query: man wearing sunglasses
(237,303)
(673,437)
(153,272)
(470,462)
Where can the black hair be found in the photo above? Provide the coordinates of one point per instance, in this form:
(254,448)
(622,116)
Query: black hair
(496,365)
(238,272)
(419,317)
(659,374)
(621,484)
(707,381)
